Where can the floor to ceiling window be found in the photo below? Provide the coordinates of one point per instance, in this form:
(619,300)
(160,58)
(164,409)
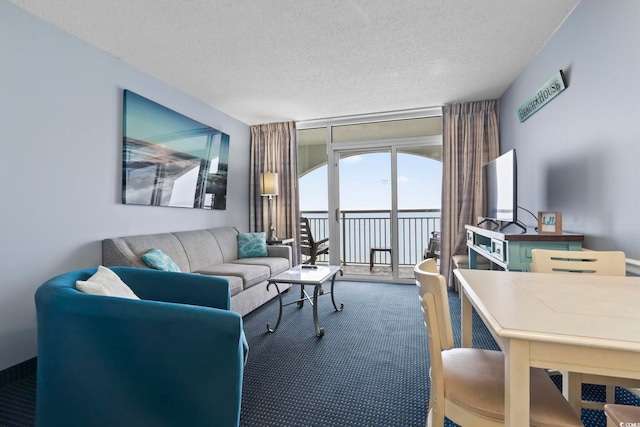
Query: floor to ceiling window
(372,185)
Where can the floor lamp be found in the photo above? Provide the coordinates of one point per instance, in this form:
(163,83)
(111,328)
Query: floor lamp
(269,188)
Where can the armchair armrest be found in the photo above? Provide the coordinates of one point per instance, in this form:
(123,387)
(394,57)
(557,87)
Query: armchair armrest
(183,288)
(319,242)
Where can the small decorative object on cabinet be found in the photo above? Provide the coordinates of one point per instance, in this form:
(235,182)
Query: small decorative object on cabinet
(550,222)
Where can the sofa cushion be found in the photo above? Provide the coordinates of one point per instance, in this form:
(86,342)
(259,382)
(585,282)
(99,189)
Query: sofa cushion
(235,284)
(251,245)
(250,274)
(106,283)
(276,265)
(201,248)
(158,260)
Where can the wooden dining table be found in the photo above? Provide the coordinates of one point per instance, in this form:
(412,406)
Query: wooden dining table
(567,322)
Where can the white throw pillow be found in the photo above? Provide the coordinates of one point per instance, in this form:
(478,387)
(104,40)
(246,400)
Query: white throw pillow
(105,282)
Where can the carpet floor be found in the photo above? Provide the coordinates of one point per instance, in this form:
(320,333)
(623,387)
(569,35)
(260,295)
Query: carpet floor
(370,368)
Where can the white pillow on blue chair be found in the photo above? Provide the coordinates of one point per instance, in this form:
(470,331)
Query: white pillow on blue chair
(107,283)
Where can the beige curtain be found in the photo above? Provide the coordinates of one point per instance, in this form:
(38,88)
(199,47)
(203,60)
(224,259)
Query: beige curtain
(470,138)
(274,149)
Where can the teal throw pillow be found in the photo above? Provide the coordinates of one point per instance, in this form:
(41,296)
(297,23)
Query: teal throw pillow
(157,259)
(251,245)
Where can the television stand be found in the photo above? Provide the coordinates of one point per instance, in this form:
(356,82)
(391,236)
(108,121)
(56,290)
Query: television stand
(496,223)
(522,227)
(512,251)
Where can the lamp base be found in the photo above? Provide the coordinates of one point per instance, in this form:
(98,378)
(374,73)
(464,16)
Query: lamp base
(272,228)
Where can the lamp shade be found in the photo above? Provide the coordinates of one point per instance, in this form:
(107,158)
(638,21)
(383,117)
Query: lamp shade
(269,184)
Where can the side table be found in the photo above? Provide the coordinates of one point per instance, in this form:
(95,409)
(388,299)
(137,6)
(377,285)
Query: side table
(285,241)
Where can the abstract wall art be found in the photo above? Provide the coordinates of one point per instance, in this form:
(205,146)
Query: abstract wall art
(171,160)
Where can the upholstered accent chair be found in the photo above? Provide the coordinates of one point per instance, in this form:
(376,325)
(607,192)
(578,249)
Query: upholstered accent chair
(175,357)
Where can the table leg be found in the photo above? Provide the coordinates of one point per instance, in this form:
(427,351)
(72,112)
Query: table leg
(572,390)
(466,319)
(516,383)
(371,254)
(280,308)
(333,279)
(301,301)
(473,259)
(317,291)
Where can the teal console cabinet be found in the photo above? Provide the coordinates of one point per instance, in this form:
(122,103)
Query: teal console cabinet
(512,252)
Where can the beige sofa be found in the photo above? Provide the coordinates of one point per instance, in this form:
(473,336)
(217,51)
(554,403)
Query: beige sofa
(212,251)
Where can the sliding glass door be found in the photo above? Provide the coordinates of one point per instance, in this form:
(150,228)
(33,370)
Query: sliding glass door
(380,200)
(419,184)
(365,194)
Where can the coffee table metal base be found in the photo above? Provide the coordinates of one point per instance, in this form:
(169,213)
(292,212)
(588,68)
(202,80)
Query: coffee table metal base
(304,296)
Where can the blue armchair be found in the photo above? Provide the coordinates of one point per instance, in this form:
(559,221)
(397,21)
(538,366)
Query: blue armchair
(173,358)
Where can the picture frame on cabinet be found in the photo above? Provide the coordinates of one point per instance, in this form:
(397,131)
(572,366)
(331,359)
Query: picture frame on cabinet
(550,222)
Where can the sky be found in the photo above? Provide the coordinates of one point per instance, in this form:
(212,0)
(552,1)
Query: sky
(365,183)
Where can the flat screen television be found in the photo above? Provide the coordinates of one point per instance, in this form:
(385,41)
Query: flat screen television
(500,188)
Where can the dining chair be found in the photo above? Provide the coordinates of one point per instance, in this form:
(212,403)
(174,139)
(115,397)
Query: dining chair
(467,384)
(622,415)
(607,263)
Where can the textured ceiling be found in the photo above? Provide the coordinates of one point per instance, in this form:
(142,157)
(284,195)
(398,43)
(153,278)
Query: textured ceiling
(264,61)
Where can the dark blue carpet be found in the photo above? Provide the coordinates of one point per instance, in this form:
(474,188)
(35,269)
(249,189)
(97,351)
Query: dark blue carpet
(18,401)
(370,368)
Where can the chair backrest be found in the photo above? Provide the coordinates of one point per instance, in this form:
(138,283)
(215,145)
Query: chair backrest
(306,238)
(609,263)
(429,265)
(433,286)
(434,302)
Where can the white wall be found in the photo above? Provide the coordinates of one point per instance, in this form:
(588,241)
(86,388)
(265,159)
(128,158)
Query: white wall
(60,165)
(580,154)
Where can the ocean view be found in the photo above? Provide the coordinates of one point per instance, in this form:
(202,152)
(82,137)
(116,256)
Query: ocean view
(362,230)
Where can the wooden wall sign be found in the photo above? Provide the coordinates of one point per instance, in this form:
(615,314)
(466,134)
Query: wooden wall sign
(546,93)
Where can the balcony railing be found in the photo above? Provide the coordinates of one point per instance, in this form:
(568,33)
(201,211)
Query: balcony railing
(363,230)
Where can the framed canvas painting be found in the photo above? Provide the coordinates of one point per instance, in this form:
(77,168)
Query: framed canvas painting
(171,160)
